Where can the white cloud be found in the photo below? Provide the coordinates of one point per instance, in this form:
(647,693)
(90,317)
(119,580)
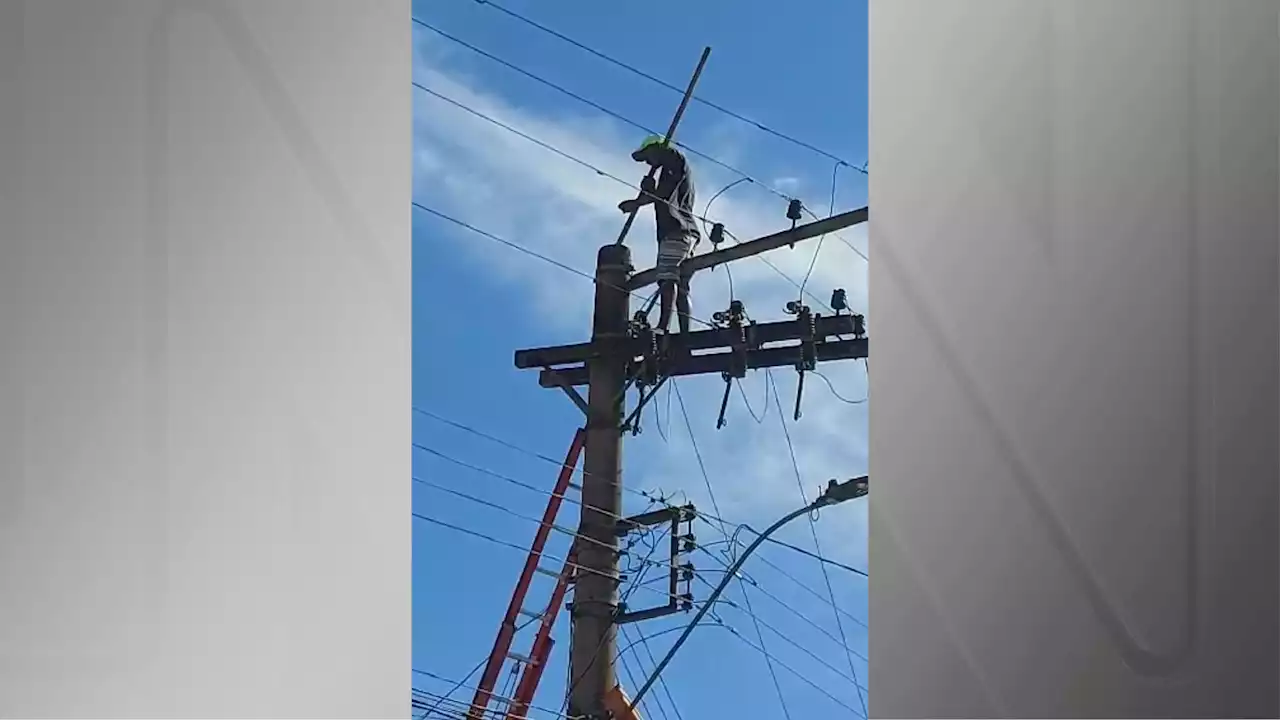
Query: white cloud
(504,184)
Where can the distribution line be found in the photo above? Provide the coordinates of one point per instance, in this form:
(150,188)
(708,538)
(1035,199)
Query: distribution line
(631,68)
(532,253)
(803,586)
(530,453)
(838,236)
(626,595)
(834,392)
(747,402)
(797,645)
(631,678)
(693,440)
(745,177)
(734,543)
(786,433)
(813,261)
(479,666)
(572,158)
(701,515)
(798,583)
(797,673)
(521,516)
(800,615)
(496,541)
(707,211)
(662,683)
(517,483)
(545,145)
(499,698)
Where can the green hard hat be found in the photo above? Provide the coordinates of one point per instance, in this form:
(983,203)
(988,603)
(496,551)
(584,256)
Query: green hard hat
(650,142)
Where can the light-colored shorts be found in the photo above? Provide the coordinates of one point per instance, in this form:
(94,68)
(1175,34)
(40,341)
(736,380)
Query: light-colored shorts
(672,251)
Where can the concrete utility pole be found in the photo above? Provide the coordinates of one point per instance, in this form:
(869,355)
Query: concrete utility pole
(616,355)
(621,353)
(595,597)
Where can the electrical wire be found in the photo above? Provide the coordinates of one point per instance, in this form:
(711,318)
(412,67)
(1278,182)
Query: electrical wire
(572,158)
(480,666)
(745,401)
(834,392)
(706,210)
(762,559)
(500,698)
(794,643)
(512,513)
(787,606)
(532,253)
(631,68)
(530,453)
(628,184)
(706,478)
(798,674)
(745,177)
(547,146)
(662,683)
(817,545)
(646,495)
(813,261)
(838,236)
(626,595)
(657,419)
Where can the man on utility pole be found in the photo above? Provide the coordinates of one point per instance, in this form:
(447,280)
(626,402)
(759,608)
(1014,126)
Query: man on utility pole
(672,197)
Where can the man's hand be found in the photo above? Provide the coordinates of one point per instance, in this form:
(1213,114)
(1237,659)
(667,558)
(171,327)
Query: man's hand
(648,184)
(629,206)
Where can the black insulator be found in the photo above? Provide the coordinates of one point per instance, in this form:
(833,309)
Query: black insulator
(793,210)
(859,325)
(838,301)
(717,234)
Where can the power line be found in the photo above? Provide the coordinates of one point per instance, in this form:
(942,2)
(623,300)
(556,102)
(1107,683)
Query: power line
(525,451)
(626,595)
(543,144)
(791,609)
(745,177)
(794,643)
(497,541)
(817,545)
(521,516)
(693,440)
(568,156)
(662,681)
(702,515)
(512,481)
(834,392)
(531,253)
(797,673)
(636,71)
(707,211)
(579,161)
(813,261)
(499,698)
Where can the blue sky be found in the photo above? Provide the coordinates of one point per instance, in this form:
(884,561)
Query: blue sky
(801,71)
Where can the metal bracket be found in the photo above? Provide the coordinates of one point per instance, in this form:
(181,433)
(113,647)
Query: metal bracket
(678,571)
(632,423)
(576,397)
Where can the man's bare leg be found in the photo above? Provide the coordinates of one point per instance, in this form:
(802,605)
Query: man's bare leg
(666,298)
(682,305)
